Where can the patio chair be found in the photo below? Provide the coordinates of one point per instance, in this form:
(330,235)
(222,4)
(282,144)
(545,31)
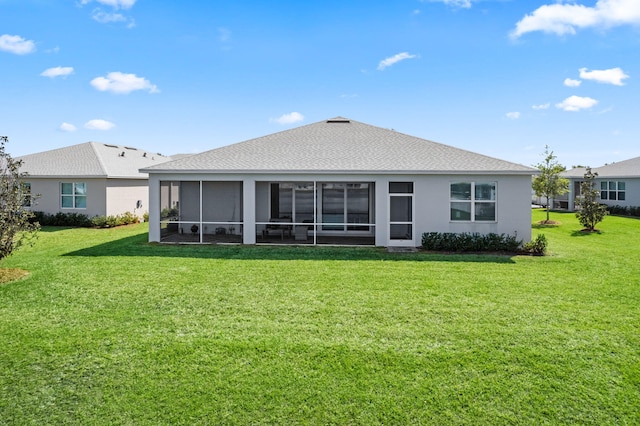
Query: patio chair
(276,228)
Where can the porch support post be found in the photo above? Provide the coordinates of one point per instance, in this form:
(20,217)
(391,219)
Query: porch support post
(382,220)
(249,211)
(154,208)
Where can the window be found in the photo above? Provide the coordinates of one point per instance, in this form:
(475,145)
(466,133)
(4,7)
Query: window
(73,195)
(612,190)
(473,201)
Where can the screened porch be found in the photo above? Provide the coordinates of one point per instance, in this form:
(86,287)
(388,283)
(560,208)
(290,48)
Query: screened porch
(312,213)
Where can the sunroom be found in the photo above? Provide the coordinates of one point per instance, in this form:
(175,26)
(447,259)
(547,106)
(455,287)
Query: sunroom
(286,212)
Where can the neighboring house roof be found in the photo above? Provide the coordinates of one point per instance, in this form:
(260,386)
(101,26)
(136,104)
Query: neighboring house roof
(621,169)
(344,146)
(91,160)
(577,172)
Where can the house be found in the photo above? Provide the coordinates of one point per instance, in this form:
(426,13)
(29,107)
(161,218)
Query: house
(90,178)
(618,183)
(337,181)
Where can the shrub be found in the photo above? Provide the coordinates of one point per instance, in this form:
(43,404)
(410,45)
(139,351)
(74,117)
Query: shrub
(82,220)
(62,219)
(127,218)
(536,247)
(145,217)
(111,221)
(469,242)
(624,211)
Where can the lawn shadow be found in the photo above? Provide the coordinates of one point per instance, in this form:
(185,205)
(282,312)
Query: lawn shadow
(137,246)
(584,233)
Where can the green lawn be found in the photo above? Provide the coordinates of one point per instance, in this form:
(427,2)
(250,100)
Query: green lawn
(108,329)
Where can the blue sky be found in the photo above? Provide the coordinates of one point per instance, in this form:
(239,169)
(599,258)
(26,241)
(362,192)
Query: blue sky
(502,78)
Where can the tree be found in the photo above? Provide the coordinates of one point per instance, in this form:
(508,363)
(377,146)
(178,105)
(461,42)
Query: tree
(590,211)
(549,183)
(15,197)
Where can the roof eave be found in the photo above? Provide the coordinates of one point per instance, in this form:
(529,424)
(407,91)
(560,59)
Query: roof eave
(347,172)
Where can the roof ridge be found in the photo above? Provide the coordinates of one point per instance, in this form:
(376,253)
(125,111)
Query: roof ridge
(99,158)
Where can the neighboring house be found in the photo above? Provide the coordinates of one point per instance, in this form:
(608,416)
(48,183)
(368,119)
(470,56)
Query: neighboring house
(91,178)
(337,181)
(618,183)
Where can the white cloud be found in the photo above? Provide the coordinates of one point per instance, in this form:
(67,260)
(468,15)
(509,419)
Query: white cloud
(120,83)
(569,82)
(99,124)
(576,103)
(394,60)
(57,72)
(116,4)
(465,4)
(564,18)
(103,17)
(16,44)
(291,118)
(514,115)
(67,127)
(541,106)
(610,76)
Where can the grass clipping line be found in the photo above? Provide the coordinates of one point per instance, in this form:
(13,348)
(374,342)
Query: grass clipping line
(8,275)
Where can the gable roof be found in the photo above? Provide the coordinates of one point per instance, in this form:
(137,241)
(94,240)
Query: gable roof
(622,169)
(340,145)
(90,160)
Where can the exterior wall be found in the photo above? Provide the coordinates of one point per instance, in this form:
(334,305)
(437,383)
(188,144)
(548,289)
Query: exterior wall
(431,201)
(513,206)
(632,191)
(123,196)
(49,200)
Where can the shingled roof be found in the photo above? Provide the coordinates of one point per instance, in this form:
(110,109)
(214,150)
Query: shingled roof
(91,160)
(340,145)
(621,169)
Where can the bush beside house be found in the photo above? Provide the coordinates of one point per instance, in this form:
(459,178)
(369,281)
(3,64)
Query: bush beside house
(83,221)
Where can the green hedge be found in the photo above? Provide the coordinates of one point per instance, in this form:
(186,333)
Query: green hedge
(469,242)
(62,219)
(83,221)
(624,211)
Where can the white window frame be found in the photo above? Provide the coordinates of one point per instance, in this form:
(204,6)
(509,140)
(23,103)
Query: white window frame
(73,195)
(473,202)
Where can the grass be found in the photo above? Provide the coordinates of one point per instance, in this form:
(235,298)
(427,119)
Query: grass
(108,329)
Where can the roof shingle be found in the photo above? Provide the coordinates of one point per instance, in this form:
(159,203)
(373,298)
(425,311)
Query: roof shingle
(90,159)
(340,145)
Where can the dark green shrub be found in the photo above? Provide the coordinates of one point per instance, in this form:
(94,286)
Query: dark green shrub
(469,242)
(536,247)
(63,219)
(624,211)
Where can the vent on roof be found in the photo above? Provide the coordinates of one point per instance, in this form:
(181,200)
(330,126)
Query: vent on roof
(338,120)
(110,146)
(121,154)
